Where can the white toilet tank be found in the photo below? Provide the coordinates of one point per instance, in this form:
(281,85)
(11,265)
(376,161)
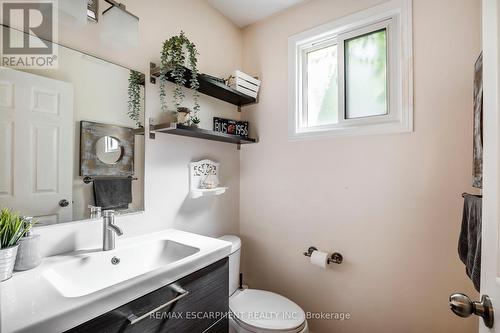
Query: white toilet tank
(234,262)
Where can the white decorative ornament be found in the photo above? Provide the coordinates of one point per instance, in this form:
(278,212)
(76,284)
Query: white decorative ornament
(204,179)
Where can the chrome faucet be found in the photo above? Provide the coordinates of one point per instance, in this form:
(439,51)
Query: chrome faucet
(109,228)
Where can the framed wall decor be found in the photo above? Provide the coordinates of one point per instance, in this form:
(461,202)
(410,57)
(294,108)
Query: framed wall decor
(106,150)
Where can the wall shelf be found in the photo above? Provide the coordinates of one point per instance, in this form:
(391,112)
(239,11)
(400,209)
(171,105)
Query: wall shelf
(139,131)
(210,87)
(182,130)
(198,193)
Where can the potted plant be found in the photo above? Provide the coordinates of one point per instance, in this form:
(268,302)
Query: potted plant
(135,81)
(12,228)
(178,55)
(196,121)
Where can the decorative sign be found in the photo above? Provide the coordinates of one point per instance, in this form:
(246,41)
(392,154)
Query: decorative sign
(204,175)
(228,126)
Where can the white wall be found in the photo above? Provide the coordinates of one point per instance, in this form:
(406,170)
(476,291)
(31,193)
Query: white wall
(391,204)
(167,206)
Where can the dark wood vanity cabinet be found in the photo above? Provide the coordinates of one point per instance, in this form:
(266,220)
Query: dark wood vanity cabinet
(203,309)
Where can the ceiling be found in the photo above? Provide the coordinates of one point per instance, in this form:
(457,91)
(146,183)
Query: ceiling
(245,12)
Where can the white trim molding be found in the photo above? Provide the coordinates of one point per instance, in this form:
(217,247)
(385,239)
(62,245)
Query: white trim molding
(396,18)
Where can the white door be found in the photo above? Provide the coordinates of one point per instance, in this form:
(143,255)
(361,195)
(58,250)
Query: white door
(36,146)
(489,304)
(490,253)
(488,307)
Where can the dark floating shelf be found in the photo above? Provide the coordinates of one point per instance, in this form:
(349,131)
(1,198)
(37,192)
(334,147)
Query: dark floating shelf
(178,129)
(139,131)
(213,88)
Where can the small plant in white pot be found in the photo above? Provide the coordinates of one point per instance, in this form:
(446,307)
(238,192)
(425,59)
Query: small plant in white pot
(12,228)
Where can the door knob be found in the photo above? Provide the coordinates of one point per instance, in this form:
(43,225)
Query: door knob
(462,306)
(64,203)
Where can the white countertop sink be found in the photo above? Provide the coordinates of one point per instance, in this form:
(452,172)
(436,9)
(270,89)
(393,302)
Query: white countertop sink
(70,289)
(77,276)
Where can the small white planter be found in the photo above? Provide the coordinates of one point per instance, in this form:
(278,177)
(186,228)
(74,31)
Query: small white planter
(7,260)
(28,253)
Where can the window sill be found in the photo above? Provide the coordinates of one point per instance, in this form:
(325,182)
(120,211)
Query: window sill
(372,129)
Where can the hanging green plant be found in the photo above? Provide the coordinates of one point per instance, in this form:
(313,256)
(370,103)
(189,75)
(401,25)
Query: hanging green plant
(135,82)
(177,53)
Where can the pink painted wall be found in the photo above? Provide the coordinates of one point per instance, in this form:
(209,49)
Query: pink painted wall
(390,203)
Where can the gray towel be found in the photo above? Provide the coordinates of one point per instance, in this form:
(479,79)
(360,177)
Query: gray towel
(113,193)
(469,243)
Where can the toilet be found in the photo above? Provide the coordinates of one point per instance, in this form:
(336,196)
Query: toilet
(259,311)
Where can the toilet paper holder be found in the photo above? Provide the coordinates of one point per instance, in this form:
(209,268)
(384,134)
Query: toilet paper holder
(335,258)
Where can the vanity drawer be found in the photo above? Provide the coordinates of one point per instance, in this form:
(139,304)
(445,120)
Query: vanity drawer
(200,310)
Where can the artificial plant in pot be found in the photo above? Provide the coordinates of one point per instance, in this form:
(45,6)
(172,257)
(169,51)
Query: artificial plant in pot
(135,81)
(178,55)
(12,228)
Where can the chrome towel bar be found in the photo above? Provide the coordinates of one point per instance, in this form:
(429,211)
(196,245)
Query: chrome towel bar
(89,179)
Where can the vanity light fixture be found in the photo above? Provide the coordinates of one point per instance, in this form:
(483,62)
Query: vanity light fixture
(120,28)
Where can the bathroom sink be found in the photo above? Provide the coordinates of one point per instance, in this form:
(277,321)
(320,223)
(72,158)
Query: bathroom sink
(70,288)
(87,272)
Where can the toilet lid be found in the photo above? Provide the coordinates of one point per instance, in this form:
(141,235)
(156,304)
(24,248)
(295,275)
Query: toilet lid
(266,310)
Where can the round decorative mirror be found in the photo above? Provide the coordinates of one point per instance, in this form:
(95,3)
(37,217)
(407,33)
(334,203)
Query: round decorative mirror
(109,150)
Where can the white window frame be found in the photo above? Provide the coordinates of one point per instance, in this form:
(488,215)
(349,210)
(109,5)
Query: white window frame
(396,18)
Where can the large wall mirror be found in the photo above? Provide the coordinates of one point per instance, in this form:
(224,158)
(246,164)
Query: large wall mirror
(70,143)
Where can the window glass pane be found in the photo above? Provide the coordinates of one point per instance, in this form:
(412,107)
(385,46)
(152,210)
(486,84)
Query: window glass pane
(366,75)
(322,87)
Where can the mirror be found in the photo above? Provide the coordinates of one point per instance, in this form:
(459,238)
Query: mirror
(68,139)
(109,150)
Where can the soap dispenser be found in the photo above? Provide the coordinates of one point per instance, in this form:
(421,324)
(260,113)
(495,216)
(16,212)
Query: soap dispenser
(28,253)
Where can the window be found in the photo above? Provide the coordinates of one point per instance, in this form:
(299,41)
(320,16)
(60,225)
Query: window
(322,86)
(353,76)
(366,75)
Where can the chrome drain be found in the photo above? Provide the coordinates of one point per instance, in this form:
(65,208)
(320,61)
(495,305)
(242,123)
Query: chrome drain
(115,260)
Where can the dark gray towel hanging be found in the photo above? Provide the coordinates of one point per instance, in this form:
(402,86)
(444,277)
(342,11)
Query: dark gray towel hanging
(113,193)
(469,244)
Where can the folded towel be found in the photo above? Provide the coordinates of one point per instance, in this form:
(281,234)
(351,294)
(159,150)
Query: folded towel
(469,243)
(113,193)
